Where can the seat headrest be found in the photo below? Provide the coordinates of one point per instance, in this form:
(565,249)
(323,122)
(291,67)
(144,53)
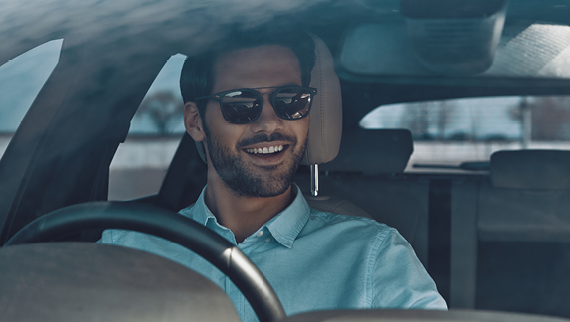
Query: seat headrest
(531,169)
(373,151)
(325,127)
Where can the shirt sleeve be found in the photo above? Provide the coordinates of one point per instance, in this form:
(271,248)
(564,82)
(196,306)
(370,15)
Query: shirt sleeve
(106,237)
(399,279)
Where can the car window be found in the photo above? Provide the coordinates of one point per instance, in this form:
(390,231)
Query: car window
(140,163)
(21,79)
(447,133)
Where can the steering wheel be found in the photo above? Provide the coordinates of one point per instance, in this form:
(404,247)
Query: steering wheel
(165,224)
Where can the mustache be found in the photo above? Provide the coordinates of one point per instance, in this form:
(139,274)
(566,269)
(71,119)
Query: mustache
(259,138)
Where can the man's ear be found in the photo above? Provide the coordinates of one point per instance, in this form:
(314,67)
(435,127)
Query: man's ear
(193,122)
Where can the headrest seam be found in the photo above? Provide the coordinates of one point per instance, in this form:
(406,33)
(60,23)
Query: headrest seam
(322,146)
(322,102)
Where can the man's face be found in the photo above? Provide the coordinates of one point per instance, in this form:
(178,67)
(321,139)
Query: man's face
(257,159)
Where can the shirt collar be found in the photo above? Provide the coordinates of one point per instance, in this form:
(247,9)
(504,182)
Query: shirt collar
(199,212)
(284,227)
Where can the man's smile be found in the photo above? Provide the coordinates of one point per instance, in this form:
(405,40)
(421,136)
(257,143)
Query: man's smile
(267,153)
(265,150)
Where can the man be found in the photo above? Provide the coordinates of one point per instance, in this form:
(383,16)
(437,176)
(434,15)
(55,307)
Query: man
(248,103)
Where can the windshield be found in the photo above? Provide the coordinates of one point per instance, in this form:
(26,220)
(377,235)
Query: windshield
(432,170)
(21,79)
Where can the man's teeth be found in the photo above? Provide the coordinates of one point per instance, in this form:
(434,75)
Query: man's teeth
(265,150)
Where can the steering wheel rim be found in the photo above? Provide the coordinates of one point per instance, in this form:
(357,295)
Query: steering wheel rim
(167,225)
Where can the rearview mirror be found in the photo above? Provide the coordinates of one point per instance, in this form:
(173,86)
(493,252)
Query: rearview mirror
(457,51)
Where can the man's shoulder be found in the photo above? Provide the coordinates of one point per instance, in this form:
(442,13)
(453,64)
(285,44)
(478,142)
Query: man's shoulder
(134,238)
(127,237)
(328,217)
(356,226)
(337,211)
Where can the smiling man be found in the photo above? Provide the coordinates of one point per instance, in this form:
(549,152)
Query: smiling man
(250,165)
(248,103)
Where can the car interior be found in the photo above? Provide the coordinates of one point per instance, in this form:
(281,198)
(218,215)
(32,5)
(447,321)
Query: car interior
(494,235)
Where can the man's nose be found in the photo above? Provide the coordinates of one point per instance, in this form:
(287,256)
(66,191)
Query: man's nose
(268,120)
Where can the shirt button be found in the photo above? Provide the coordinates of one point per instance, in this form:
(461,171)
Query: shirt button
(259,234)
(267,240)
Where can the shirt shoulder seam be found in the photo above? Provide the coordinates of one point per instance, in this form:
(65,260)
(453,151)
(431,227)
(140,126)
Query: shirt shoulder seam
(112,237)
(380,226)
(372,258)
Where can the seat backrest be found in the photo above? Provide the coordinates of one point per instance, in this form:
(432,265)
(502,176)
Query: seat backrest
(372,151)
(527,198)
(511,235)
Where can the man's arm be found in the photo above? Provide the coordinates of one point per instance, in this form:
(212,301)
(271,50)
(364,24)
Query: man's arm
(399,279)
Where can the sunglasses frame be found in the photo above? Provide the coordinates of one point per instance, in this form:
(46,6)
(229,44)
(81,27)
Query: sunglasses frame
(220,96)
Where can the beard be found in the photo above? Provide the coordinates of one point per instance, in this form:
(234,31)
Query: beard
(248,180)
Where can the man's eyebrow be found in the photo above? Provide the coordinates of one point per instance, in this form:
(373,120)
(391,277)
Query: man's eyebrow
(275,87)
(286,85)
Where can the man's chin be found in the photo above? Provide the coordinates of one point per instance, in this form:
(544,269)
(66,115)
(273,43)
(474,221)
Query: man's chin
(268,193)
(259,189)
(247,178)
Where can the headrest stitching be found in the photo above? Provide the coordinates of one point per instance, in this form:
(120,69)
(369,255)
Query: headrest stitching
(322,100)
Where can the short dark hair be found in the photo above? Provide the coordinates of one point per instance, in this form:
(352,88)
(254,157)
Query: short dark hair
(197,77)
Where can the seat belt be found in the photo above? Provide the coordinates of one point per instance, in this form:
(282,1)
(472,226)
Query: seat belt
(464,240)
(439,235)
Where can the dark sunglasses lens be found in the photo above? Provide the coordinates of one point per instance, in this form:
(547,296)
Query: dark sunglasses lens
(292,103)
(241,106)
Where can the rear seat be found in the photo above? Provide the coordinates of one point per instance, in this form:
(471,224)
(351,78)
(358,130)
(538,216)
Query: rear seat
(510,235)
(398,201)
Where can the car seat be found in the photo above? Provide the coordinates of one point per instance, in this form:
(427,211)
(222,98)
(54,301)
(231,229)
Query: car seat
(511,235)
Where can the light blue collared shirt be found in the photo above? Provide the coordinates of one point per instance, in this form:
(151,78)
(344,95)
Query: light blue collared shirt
(313,260)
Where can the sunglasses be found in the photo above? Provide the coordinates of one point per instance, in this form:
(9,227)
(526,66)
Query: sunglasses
(241,106)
